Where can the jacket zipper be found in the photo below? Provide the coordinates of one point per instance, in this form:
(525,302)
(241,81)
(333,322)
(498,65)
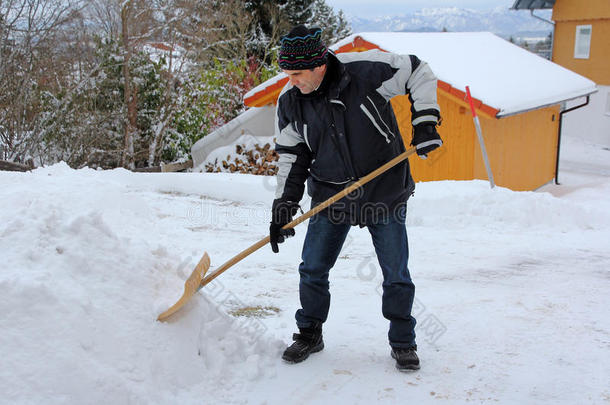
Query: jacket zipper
(338,137)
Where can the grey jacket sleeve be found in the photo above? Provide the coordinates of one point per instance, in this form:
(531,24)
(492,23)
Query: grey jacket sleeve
(408,75)
(295,156)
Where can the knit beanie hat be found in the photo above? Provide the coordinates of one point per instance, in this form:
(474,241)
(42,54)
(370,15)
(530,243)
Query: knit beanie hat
(302,49)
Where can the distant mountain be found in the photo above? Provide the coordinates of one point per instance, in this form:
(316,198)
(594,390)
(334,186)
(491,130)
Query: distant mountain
(500,21)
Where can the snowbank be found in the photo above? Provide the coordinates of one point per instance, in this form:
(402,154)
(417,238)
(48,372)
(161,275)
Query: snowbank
(513,282)
(86,271)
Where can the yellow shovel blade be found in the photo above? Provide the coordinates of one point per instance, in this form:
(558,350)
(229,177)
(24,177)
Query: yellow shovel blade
(191,286)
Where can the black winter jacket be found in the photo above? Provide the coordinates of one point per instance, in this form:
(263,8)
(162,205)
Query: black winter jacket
(347,128)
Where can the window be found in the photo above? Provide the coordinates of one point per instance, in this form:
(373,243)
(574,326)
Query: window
(582,44)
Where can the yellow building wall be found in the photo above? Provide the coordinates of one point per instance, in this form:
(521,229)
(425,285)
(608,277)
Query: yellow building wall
(566,10)
(597,67)
(568,14)
(454,160)
(522,149)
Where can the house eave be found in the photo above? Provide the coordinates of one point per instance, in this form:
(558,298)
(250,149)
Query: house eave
(549,104)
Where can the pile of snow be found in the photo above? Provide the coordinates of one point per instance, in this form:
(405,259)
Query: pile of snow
(453,206)
(86,270)
(512,293)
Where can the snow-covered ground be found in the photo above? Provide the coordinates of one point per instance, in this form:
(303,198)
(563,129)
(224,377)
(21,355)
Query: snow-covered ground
(512,293)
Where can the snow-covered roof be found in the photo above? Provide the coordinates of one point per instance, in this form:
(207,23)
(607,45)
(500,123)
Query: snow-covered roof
(499,73)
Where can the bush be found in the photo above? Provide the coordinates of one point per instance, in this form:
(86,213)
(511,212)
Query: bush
(211,98)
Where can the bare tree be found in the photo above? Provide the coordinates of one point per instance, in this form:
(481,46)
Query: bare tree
(130,93)
(106,15)
(30,65)
(231,29)
(76,74)
(139,22)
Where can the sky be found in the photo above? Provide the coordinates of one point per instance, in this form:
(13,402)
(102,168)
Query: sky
(368,8)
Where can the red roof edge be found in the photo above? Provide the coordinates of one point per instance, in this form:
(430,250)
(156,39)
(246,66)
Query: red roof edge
(461,95)
(357,43)
(250,101)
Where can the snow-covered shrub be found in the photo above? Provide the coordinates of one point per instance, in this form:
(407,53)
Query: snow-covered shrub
(86,125)
(210,99)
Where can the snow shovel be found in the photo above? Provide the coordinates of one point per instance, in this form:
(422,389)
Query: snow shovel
(198,279)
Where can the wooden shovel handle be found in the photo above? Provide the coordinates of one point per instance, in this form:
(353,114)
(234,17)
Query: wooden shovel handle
(354,186)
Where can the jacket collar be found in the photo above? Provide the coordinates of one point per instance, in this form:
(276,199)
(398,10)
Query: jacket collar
(335,80)
(341,77)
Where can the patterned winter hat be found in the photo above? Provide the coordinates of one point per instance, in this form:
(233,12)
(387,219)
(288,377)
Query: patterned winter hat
(302,49)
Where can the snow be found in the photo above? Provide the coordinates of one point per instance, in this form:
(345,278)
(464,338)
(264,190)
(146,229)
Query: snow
(499,73)
(502,75)
(511,302)
(252,124)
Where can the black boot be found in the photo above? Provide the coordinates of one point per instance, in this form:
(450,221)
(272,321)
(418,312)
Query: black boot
(306,342)
(406,359)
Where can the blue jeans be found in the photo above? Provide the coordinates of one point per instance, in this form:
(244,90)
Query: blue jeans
(322,245)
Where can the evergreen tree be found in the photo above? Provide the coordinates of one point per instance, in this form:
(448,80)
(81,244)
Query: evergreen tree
(342,27)
(334,25)
(298,11)
(86,125)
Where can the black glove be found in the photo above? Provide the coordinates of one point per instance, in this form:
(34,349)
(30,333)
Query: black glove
(425,139)
(281,213)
